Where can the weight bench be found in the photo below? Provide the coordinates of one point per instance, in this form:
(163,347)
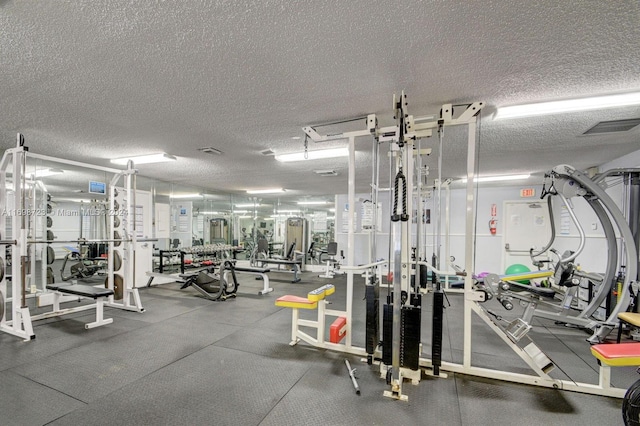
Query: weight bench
(289,259)
(295,265)
(262,272)
(99,294)
(615,355)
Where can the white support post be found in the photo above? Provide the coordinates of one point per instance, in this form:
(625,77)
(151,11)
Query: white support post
(294,326)
(351,250)
(321,321)
(468,247)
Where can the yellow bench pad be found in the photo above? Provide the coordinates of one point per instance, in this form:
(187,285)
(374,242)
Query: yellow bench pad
(617,355)
(289,301)
(630,318)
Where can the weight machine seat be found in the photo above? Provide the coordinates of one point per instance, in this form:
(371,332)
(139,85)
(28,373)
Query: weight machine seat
(81,290)
(617,354)
(631,318)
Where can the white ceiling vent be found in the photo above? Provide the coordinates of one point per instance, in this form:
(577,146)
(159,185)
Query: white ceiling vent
(210,150)
(613,126)
(326,172)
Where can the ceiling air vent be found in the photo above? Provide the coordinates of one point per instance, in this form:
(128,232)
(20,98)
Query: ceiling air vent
(326,172)
(613,126)
(210,150)
(267,152)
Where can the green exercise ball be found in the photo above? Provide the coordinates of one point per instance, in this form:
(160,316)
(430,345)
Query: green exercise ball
(518,268)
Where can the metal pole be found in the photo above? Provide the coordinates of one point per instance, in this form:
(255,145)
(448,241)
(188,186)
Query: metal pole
(353,376)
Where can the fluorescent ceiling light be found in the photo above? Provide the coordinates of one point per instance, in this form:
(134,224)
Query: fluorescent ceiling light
(241,211)
(498,178)
(176,196)
(314,155)
(311,203)
(569,105)
(46,172)
(245,217)
(203,213)
(145,159)
(248,205)
(288,211)
(265,191)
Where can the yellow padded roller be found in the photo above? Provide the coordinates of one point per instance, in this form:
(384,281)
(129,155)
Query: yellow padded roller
(289,301)
(321,293)
(527,275)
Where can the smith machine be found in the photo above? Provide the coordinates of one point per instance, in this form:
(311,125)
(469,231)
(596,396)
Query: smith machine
(26,238)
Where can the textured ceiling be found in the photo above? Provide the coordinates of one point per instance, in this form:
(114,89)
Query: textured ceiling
(93,80)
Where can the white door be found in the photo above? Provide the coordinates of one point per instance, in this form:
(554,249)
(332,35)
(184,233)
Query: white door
(527,226)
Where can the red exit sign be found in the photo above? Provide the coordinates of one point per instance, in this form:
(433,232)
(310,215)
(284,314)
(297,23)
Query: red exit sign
(527,192)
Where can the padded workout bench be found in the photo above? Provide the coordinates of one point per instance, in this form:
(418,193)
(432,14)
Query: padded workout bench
(295,265)
(615,355)
(631,318)
(262,272)
(99,294)
(314,300)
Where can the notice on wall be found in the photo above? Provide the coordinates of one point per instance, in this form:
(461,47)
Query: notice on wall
(366,215)
(320,222)
(538,220)
(183,219)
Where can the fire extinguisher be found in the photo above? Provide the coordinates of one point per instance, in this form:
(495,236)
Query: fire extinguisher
(492,226)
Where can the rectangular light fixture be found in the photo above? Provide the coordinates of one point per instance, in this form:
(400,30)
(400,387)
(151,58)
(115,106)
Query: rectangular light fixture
(265,191)
(145,159)
(176,196)
(569,105)
(47,172)
(247,205)
(314,155)
(498,178)
(311,203)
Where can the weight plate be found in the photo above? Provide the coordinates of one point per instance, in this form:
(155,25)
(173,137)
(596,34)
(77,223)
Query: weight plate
(116,236)
(116,205)
(51,255)
(1,272)
(118,286)
(117,261)
(50,236)
(49,222)
(1,306)
(50,278)
(116,222)
(49,209)
(48,197)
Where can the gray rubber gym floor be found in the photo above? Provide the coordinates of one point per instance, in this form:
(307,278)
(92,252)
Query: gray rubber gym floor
(190,361)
